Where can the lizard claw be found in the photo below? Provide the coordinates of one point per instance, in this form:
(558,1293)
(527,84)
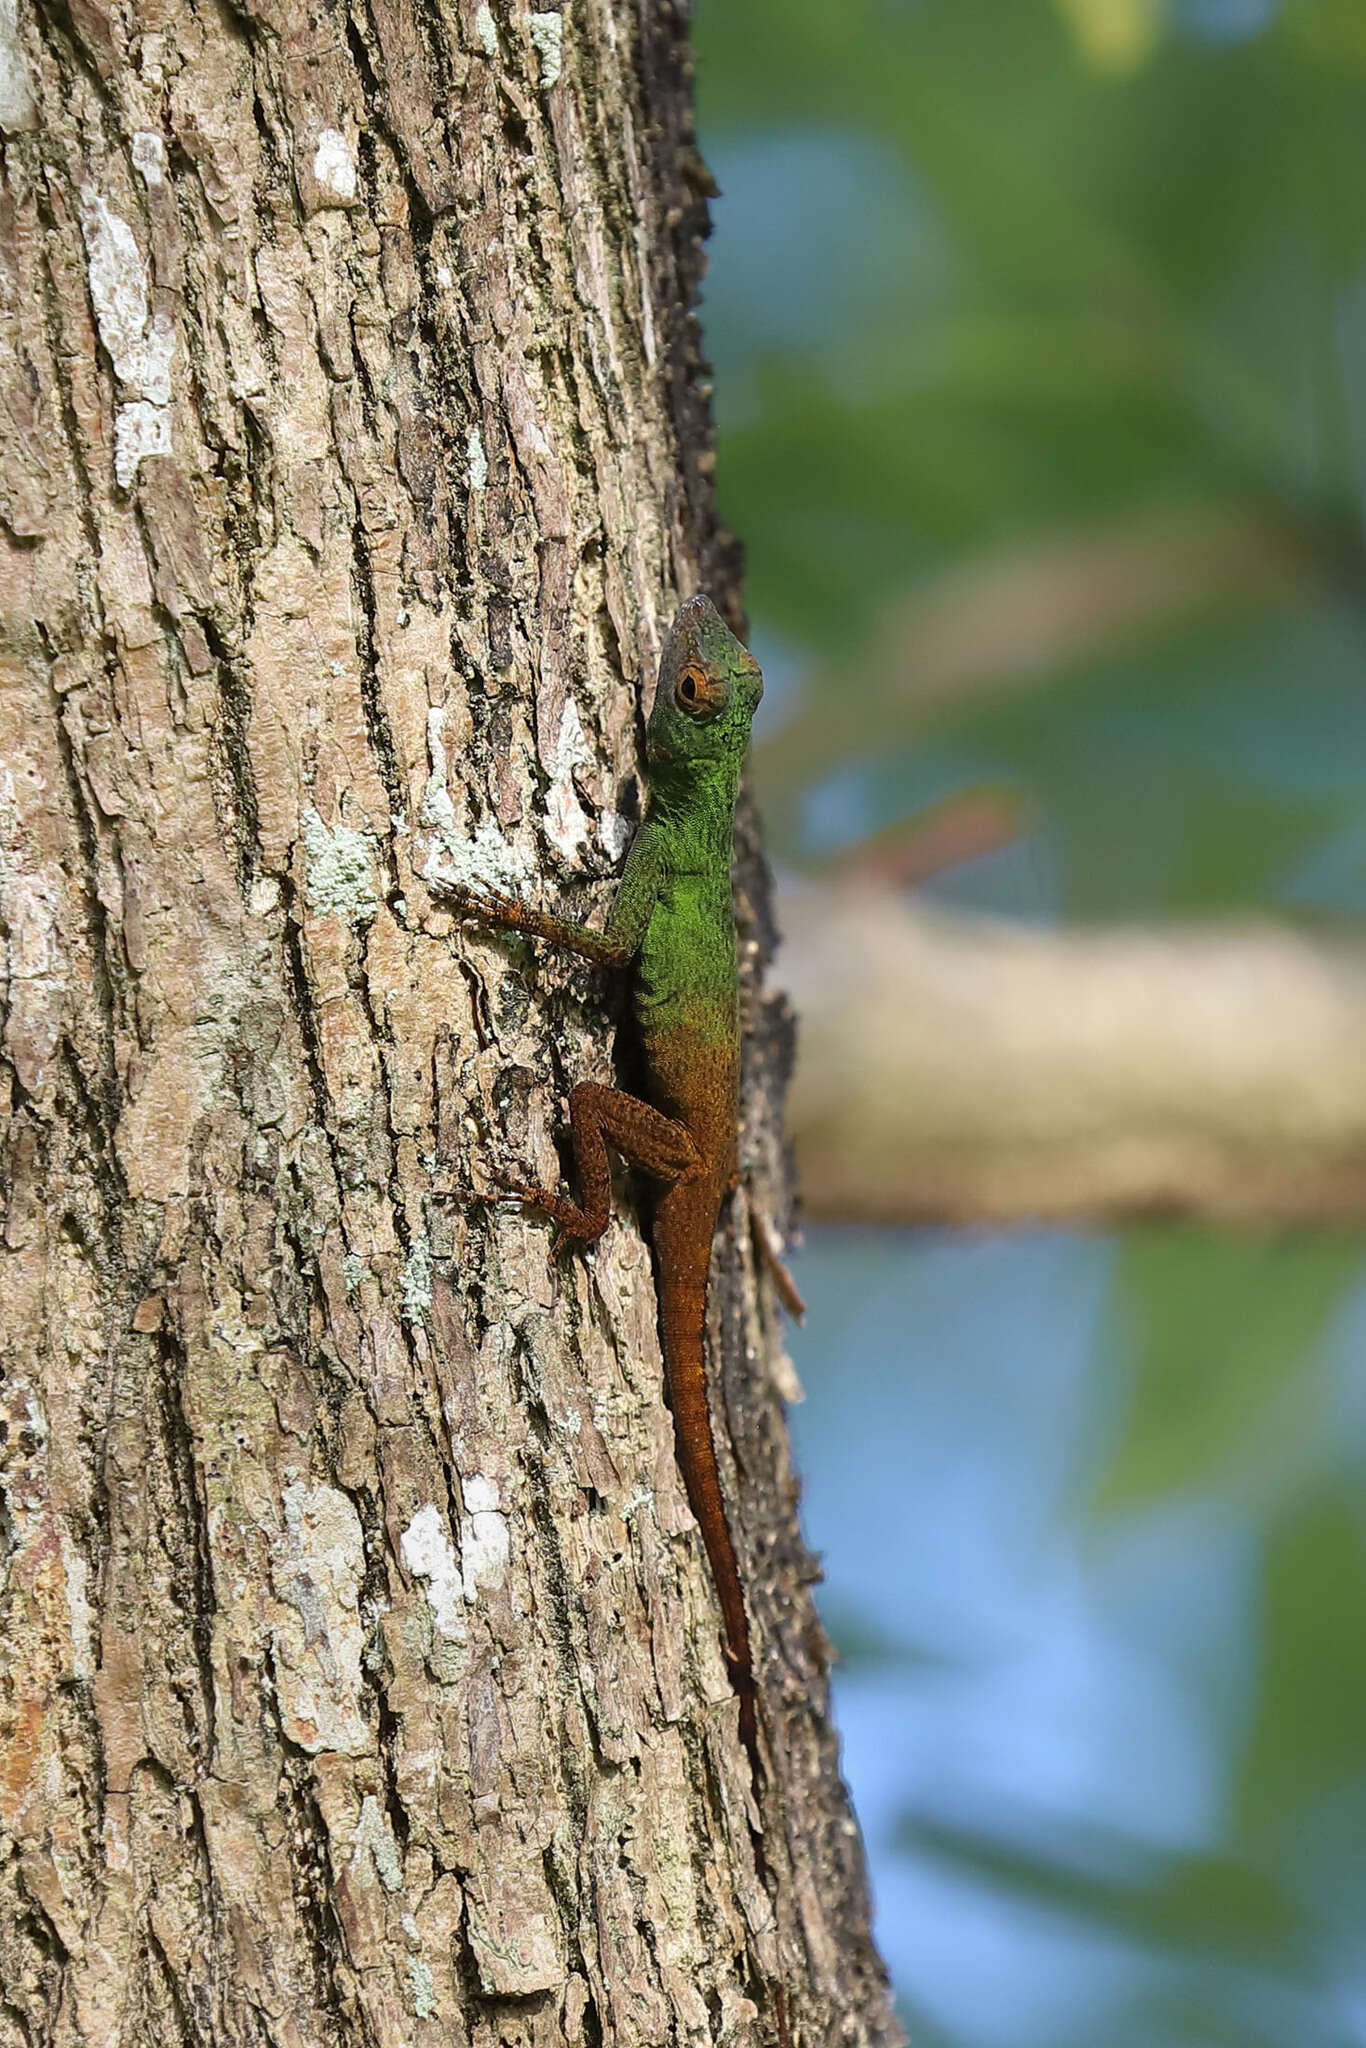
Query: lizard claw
(559,1211)
(471,899)
(518,1190)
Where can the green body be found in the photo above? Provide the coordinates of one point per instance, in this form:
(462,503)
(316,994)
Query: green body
(673,908)
(687,984)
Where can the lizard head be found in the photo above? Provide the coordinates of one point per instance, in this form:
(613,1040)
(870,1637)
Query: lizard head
(709,688)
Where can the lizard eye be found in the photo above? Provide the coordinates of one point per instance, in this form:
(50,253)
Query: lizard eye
(696,693)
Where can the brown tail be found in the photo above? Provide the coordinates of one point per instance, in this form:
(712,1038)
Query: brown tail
(683,1233)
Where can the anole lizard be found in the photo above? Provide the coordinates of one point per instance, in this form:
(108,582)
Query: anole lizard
(673,917)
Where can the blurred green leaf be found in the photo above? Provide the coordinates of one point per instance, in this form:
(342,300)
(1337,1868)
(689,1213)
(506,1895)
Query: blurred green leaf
(1209,1904)
(1223,1336)
(1237,843)
(1309,1734)
(1143,297)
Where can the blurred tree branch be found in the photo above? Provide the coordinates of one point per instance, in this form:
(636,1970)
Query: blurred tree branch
(960,827)
(961,1069)
(1024,615)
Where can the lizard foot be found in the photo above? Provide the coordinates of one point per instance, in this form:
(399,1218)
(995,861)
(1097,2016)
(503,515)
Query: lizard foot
(574,1226)
(473,902)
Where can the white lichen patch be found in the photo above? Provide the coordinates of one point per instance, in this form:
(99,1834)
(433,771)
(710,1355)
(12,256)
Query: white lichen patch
(424,1988)
(566,824)
(428,1554)
(140,344)
(77,1575)
(334,166)
(485,861)
(489,861)
(547,36)
(340,871)
(17,106)
(479,462)
(415,1282)
(486,28)
(437,810)
(149,156)
(33,970)
(317,1565)
(373,1837)
(485,1544)
(354,1270)
(140,428)
(615,834)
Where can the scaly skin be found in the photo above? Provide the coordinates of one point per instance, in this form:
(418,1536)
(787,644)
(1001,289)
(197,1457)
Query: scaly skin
(673,914)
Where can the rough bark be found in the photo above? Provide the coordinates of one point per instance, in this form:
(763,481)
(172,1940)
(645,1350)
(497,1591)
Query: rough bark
(974,1070)
(362,1675)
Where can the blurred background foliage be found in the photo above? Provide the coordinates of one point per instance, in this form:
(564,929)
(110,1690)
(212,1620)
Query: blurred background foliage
(1040,341)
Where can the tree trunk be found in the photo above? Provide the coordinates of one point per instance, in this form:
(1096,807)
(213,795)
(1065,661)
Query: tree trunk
(363,1678)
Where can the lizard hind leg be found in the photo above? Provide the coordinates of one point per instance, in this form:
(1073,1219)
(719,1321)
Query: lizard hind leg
(644,1136)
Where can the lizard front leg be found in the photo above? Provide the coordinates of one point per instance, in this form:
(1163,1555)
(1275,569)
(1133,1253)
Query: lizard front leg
(614,947)
(606,949)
